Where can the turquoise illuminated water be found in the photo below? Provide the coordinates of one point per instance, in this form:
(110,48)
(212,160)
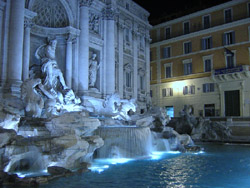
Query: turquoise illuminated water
(220,166)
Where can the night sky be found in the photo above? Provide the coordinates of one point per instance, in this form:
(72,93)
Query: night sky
(160,9)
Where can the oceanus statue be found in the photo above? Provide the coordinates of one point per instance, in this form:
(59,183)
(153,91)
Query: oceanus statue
(45,93)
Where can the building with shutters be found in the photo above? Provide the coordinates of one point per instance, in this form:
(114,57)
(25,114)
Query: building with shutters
(202,60)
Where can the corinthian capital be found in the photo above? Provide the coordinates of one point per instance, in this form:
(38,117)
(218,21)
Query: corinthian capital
(87,3)
(108,13)
(28,23)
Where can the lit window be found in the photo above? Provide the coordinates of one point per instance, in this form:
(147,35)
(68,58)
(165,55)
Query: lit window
(167,92)
(189,90)
(208,87)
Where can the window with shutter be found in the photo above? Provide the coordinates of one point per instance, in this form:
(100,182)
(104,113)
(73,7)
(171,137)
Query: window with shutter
(207,43)
(229,38)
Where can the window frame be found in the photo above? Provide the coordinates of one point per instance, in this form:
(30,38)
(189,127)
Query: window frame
(231,19)
(203,21)
(208,87)
(170,31)
(205,45)
(189,47)
(168,65)
(234,59)
(225,38)
(184,31)
(166,54)
(208,57)
(185,62)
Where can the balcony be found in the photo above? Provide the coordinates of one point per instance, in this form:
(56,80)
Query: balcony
(234,73)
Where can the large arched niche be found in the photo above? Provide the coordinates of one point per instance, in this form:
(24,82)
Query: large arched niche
(51,13)
(54,20)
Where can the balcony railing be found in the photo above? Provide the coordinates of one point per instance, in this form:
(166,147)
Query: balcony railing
(228,70)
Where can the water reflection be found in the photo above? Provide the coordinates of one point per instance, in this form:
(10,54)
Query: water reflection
(220,166)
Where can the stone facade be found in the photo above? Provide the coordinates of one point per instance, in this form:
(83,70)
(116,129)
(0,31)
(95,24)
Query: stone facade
(116,31)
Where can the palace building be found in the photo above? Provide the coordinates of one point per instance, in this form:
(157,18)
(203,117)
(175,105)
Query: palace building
(116,31)
(202,60)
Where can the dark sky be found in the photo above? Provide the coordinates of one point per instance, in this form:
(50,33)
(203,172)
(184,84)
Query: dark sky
(176,8)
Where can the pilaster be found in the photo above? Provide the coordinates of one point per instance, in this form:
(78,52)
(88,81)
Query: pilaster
(69,55)
(121,64)
(2,8)
(83,75)
(135,64)
(109,42)
(28,24)
(15,48)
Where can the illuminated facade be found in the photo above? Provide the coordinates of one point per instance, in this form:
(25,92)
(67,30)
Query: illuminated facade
(116,31)
(202,60)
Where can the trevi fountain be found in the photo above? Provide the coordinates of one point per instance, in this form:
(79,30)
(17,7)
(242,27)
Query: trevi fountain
(75,100)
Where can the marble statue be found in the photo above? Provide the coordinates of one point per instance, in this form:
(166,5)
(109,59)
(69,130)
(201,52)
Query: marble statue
(47,54)
(93,68)
(45,93)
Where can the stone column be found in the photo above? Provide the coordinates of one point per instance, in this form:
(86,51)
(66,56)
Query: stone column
(135,59)
(69,61)
(83,60)
(29,15)
(121,66)
(2,7)
(15,48)
(147,49)
(109,41)
(26,48)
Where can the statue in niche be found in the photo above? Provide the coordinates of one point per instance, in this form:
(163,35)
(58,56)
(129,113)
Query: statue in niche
(52,74)
(93,68)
